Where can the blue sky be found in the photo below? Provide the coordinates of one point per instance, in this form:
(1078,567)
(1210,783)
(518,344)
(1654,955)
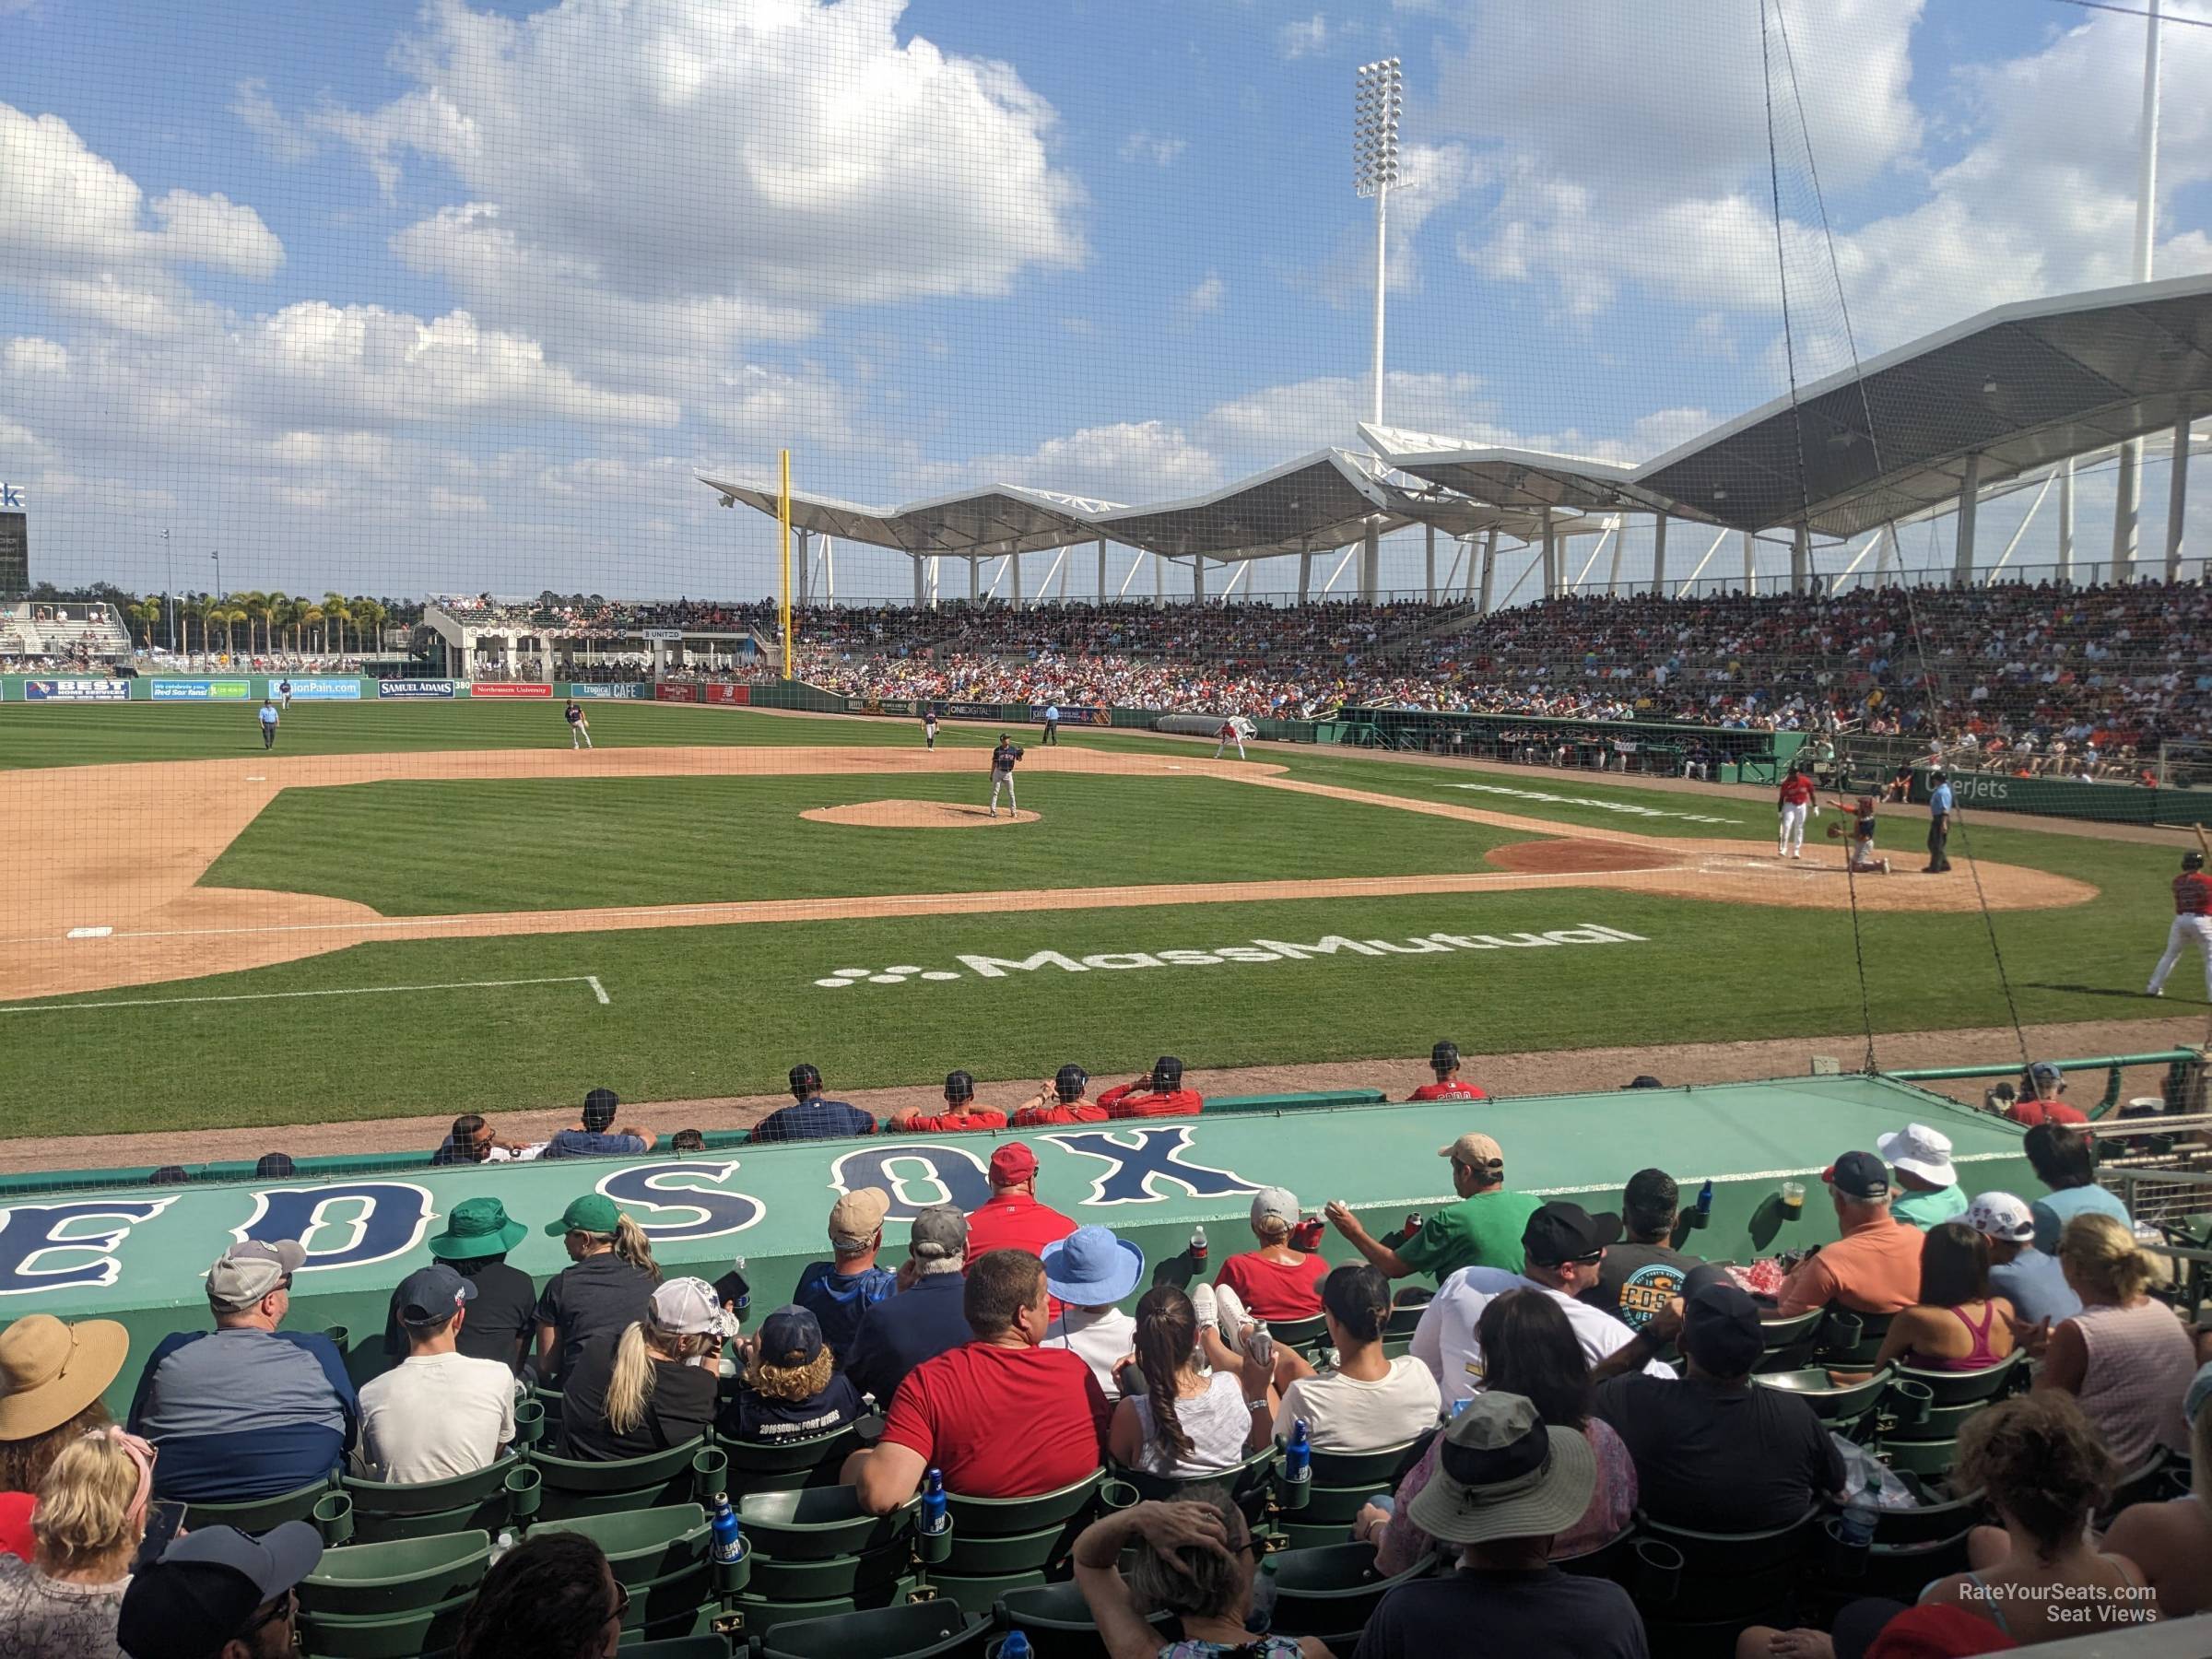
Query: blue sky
(454,297)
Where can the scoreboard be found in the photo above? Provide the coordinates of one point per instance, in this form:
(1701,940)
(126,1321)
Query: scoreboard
(15,555)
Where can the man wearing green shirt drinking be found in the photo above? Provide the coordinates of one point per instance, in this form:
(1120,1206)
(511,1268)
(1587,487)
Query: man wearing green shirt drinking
(1483,1229)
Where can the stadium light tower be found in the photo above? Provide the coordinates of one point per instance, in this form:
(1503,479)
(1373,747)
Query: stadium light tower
(1379,95)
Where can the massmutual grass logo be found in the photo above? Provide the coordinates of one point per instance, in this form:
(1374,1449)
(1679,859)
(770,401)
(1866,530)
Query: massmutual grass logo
(1221,956)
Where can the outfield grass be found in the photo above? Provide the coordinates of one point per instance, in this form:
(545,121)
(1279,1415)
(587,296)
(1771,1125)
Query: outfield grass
(434,848)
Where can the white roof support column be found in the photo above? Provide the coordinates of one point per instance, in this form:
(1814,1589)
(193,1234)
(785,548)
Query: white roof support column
(1489,568)
(1621,540)
(1371,561)
(1159,582)
(1305,575)
(829,567)
(1431,562)
(2177,500)
(1751,561)
(2065,522)
(1551,557)
(1198,579)
(1801,560)
(1014,566)
(1969,502)
(1658,553)
(975,579)
(806,556)
(921,598)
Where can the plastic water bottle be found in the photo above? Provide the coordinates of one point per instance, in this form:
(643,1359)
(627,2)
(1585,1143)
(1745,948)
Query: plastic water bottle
(1857,1522)
(1261,1619)
(1298,1457)
(729,1538)
(503,1543)
(1461,1404)
(1198,1245)
(934,1516)
(1703,1216)
(1014,1646)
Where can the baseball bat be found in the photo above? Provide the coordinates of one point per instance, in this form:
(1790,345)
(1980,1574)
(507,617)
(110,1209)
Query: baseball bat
(2203,840)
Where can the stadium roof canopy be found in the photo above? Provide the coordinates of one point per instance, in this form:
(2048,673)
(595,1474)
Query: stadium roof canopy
(1318,502)
(2021,386)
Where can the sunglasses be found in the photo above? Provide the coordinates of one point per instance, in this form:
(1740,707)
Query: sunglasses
(282,1608)
(620,1610)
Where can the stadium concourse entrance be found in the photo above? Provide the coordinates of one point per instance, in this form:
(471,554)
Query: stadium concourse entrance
(103,1243)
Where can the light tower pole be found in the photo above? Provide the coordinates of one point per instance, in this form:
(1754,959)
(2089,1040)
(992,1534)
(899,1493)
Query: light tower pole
(1379,95)
(2127,509)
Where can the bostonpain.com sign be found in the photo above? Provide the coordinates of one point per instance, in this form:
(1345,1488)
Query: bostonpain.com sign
(1221,956)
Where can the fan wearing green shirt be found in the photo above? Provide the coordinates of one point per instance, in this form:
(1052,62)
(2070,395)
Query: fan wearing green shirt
(1483,1229)
(1929,1192)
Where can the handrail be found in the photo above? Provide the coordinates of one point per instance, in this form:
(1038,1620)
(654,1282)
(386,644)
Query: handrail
(2111,1064)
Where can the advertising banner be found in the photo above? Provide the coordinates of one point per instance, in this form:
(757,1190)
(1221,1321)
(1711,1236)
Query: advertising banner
(661,633)
(634,690)
(413,687)
(1073,714)
(968,710)
(203,691)
(729,697)
(322,690)
(76,690)
(666,692)
(498,689)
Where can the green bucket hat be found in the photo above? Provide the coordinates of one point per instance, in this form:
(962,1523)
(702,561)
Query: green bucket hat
(592,1213)
(477,1226)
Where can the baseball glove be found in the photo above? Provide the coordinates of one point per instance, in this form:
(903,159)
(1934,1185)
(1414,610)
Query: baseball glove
(1835,832)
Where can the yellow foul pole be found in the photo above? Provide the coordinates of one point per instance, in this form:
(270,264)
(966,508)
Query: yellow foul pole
(783,527)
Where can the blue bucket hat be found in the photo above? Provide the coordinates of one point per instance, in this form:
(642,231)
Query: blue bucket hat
(1091,1267)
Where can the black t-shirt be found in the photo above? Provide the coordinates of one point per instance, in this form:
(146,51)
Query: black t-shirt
(596,1297)
(1635,1281)
(1551,1613)
(681,1407)
(754,1416)
(899,1332)
(1717,1459)
(503,1311)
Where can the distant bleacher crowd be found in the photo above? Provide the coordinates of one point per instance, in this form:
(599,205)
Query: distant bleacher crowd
(1971,1422)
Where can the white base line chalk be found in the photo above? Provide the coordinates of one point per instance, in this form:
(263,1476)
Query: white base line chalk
(599,991)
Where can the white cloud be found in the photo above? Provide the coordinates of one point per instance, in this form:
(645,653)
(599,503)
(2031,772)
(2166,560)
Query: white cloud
(1126,461)
(1432,177)
(1204,299)
(1306,37)
(285,140)
(1141,146)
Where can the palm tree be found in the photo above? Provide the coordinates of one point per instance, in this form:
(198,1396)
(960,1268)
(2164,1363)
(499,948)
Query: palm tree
(369,618)
(147,614)
(335,611)
(311,618)
(254,606)
(209,610)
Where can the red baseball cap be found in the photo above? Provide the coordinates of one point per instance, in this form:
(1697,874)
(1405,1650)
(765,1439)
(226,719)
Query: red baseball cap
(1012,1164)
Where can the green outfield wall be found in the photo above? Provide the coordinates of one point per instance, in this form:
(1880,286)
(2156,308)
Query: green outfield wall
(138,1253)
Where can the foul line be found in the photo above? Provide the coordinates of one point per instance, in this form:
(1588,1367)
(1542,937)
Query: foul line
(591,980)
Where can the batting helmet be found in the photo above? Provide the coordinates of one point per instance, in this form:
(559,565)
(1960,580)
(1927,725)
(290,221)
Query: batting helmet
(2192,861)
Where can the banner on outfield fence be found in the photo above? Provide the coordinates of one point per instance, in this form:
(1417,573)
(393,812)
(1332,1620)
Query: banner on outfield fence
(417,688)
(203,691)
(665,692)
(728,696)
(322,690)
(501,688)
(669,635)
(634,690)
(970,711)
(76,690)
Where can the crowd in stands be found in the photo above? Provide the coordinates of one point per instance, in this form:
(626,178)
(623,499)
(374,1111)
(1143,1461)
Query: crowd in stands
(1567,1372)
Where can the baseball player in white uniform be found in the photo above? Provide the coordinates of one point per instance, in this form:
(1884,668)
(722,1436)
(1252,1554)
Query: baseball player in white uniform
(2191,919)
(1229,733)
(1795,800)
(1002,772)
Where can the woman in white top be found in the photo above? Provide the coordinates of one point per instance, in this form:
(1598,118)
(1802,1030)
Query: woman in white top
(1370,1401)
(1189,1422)
(1090,1271)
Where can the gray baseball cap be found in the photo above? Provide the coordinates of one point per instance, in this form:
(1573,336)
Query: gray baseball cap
(245,1273)
(940,1234)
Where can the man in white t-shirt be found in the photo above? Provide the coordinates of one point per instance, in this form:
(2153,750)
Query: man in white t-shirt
(439,1412)
(1368,1402)
(1564,1246)
(1090,1271)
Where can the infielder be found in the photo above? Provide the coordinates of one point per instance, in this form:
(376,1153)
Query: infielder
(580,729)
(284,695)
(1002,774)
(1229,733)
(268,723)
(1793,801)
(929,729)
(2192,917)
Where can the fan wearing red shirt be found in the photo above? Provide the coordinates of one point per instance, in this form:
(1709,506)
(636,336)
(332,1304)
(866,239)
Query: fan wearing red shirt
(1061,1102)
(1276,1282)
(1158,1093)
(961,1112)
(2043,1106)
(1000,1417)
(1443,1060)
(1012,1218)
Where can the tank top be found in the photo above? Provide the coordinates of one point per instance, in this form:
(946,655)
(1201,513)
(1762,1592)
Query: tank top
(1977,1358)
(1216,1422)
(2141,1365)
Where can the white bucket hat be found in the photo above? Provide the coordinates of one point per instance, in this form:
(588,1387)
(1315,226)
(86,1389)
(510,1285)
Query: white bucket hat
(1919,1151)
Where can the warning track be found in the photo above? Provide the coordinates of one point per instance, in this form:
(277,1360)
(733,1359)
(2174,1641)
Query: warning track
(106,861)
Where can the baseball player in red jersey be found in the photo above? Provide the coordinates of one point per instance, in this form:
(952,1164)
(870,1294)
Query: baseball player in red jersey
(1158,1093)
(2191,919)
(1443,1060)
(1793,801)
(961,1112)
(1061,1102)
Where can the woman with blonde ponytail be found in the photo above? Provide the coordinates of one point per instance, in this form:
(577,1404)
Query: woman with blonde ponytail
(605,1288)
(2124,1357)
(1189,1422)
(653,1385)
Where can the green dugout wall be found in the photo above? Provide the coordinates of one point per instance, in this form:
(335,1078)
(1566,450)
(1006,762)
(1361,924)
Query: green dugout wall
(138,1253)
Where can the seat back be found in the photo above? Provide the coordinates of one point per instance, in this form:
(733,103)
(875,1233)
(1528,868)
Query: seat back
(1330,1592)
(932,1630)
(1835,1405)
(259,1514)
(1789,1342)
(1726,1581)
(1019,1517)
(1303,1334)
(661,1557)
(1850,1340)
(481,1498)
(1948,1388)
(577,1486)
(404,1575)
(1246,1481)
(1057,1620)
(1342,1482)
(781,1466)
(1002,1544)
(815,1523)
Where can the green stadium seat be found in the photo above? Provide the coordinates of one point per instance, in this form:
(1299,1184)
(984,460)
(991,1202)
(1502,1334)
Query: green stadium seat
(1914,1547)
(1330,1593)
(1613,1559)
(1928,1447)
(1838,1350)
(484,1499)
(1725,1582)
(932,1630)
(2141,1484)
(1057,1621)
(1342,1482)
(664,1556)
(1789,1342)
(393,1600)
(782,1466)
(693,1471)
(1247,1482)
(1002,1544)
(681,1647)
(1843,1408)
(259,1514)
(819,1545)
(1305,1335)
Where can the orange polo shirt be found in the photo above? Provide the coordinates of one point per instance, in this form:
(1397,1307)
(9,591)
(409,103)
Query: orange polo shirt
(1873,1268)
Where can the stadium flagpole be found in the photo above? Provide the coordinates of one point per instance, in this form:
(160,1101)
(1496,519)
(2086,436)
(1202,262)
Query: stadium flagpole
(783,532)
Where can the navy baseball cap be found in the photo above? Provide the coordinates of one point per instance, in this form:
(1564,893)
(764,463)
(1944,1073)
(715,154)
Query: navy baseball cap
(432,1294)
(206,1586)
(599,1108)
(790,1337)
(1560,1232)
(804,1077)
(1167,1071)
(1858,1175)
(1721,1329)
(1070,1081)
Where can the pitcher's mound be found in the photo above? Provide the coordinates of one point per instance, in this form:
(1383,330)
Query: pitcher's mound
(917,814)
